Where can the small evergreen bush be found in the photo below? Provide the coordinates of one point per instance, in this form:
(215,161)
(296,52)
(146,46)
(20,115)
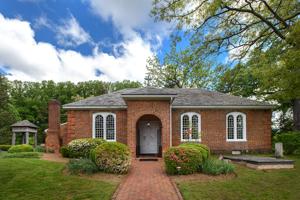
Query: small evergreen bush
(20,148)
(65,151)
(81,148)
(182,160)
(112,157)
(4,147)
(290,141)
(217,167)
(81,166)
(22,155)
(40,149)
(203,149)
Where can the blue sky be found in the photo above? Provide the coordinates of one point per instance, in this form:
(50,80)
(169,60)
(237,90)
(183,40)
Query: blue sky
(79,40)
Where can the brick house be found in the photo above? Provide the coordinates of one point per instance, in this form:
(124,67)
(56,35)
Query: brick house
(150,120)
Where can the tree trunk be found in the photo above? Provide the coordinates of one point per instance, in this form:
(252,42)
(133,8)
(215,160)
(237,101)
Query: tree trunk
(296,114)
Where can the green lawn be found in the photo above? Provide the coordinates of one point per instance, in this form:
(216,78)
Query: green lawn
(249,184)
(22,178)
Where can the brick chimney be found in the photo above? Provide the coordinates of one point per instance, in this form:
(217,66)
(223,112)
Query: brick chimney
(53,133)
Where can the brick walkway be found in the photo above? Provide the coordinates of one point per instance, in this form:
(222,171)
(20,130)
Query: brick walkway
(147,181)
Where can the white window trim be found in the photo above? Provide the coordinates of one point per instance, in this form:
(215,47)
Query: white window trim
(235,114)
(190,114)
(104,115)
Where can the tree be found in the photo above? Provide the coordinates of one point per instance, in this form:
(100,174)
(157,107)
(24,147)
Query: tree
(8,113)
(179,69)
(257,31)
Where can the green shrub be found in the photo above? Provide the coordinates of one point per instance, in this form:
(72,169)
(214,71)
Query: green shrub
(20,148)
(22,155)
(112,157)
(81,148)
(81,166)
(290,141)
(203,149)
(65,151)
(182,160)
(4,147)
(40,149)
(217,167)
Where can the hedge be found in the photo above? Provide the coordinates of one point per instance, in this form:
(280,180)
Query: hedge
(20,148)
(4,147)
(112,157)
(290,141)
(217,167)
(81,166)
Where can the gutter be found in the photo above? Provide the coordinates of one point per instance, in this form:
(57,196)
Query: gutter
(227,107)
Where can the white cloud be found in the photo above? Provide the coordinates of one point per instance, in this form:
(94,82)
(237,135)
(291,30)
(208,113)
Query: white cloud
(70,33)
(129,16)
(30,60)
(42,21)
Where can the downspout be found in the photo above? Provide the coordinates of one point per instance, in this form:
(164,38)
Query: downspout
(171,121)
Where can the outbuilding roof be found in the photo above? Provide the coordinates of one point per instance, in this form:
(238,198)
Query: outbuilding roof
(188,98)
(24,123)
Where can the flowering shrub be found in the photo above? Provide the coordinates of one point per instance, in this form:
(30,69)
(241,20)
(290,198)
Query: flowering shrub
(20,148)
(182,160)
(112,157)
(81,148)
(203,149)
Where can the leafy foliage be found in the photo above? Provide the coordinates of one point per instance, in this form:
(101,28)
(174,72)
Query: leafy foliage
(81,148)
(22,155)
(20,148)
(217,167)
(112,157)
(39,149)
(4,147)
(81,166)
(65,151)
(182,160)
(202,148)
(290,141)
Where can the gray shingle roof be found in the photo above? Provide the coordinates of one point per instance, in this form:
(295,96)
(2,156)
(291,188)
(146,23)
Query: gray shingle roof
(184,97)
(24,123)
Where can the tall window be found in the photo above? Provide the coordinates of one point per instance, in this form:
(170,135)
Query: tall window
(104,126)
(236,126)
(190,127)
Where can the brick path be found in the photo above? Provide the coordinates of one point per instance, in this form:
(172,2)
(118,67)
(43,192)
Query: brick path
(147,181)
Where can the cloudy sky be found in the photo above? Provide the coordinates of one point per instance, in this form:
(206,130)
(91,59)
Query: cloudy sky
(78,40)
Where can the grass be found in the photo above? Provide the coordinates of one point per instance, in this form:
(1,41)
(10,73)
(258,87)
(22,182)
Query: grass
(38,179)
(249,184)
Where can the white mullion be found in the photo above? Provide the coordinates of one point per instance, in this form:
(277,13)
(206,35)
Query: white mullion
(104,126)
(234,127)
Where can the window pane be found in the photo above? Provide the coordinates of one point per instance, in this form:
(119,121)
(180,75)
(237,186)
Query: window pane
(99,126)
(239,126)
(195,130)
(110,127)
(185,127)
(230,127)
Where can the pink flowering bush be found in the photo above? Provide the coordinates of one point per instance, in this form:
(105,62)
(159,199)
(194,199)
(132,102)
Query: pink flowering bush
(182,160)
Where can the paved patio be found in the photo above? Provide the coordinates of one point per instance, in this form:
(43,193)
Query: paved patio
(147,181)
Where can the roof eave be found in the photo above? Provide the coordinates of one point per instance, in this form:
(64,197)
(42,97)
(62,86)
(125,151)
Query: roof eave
(85,107)
(227,107)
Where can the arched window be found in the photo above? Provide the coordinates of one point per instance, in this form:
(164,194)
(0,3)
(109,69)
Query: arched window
(104,126)
(190,127)
(236,126)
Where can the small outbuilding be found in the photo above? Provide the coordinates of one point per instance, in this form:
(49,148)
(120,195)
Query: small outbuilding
(24,127)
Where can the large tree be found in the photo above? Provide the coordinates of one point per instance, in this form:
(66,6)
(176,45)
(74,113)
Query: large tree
(264,34)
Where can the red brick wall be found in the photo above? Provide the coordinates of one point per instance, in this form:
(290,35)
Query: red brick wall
(136,109)
(80,124)
(52,139)
(213,129)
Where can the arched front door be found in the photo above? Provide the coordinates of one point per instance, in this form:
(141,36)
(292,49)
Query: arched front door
(149,136)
